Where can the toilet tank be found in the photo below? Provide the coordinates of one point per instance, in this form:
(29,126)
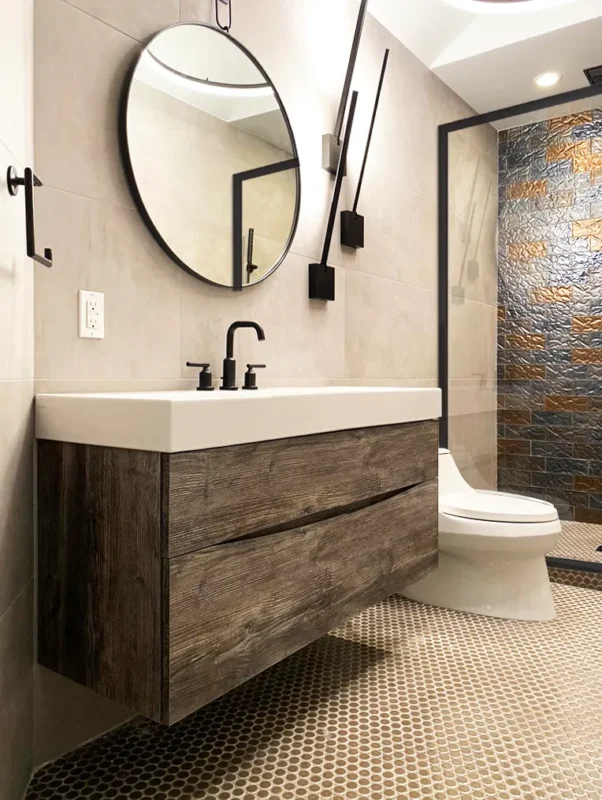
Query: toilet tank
(450,479)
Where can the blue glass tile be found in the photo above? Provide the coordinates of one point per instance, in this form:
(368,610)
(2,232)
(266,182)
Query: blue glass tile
(567,443)
(589,130)
(554,418)
(571,466)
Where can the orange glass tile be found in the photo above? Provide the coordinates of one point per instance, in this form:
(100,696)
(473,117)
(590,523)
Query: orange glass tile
(527,251)
(589,324)
(562,403)
(517,191)
(513,447)
(514,417)
(552,294)
(587,483)
(526,341)
(587,355)
(566,150)
(501,313)
(525,372)
(567,123)
(587,162)
(587,227)
(592,515)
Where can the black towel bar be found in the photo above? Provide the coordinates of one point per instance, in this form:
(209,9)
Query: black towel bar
(29,181)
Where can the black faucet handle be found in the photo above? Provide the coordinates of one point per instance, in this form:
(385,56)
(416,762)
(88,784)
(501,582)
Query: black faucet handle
(251,377)
(205,377)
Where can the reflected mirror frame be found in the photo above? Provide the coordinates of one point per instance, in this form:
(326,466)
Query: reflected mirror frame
(129,170)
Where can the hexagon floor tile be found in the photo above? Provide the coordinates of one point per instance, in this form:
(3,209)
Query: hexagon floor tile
(406,701)
(579,541)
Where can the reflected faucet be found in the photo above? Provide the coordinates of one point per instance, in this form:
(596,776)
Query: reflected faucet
(229,376)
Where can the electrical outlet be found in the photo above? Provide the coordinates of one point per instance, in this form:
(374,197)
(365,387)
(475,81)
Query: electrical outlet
(91,315)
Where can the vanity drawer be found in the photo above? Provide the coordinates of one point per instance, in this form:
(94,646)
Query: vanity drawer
(235,609)
(213,496)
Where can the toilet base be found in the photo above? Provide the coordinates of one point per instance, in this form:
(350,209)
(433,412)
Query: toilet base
(492,585)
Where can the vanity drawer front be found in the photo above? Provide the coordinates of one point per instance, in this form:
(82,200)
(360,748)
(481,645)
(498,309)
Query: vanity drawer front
(213,496)
(236,609)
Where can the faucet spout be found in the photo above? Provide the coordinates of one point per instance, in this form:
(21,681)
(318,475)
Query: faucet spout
(232,330)
(229,376)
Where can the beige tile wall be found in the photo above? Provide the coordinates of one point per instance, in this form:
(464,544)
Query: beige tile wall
(381,330)
(16,393)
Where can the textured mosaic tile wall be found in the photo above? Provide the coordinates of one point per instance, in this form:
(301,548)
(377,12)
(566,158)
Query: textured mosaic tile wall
(550,313)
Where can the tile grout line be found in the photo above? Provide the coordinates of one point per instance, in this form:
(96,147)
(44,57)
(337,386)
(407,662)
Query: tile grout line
(102,21)
(16,598)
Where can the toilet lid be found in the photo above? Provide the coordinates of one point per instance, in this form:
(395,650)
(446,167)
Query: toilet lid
(497,507)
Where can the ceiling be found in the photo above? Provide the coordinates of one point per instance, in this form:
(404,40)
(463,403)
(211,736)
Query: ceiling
(491,60)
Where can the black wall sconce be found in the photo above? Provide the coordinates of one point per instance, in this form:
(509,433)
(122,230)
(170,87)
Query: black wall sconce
(321,276)
(28,181)
(331,142)
(352,223)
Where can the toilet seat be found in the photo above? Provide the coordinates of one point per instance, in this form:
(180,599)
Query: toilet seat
(497,507)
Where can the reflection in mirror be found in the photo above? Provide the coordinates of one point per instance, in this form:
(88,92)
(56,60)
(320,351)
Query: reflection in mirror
(201,118)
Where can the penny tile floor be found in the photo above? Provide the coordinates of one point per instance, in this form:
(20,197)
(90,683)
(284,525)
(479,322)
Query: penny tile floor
(406,701)
(579,541)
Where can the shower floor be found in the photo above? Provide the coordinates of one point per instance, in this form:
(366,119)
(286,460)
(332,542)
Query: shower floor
(578,542)
(406,702)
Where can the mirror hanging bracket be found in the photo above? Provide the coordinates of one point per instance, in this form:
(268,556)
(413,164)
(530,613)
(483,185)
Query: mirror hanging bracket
(28,181)
(224,28)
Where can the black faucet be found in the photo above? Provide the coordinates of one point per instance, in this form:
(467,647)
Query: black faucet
(229,376)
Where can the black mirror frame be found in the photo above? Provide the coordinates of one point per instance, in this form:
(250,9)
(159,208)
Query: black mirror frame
(131,178)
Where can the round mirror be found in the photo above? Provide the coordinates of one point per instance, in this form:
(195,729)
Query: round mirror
(210,155)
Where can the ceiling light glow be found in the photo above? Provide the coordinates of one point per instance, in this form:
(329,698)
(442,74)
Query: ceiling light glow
(547,79)
(506,6)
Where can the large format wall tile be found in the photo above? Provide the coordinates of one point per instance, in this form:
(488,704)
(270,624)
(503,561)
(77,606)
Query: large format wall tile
(16,283)
(391,329)
(399,224)
(303,337)
(101,247)
(16,688)
(550,295)
(472,339)
(16,391)
(137,20)
(16,69)
(80,65)
(16,489)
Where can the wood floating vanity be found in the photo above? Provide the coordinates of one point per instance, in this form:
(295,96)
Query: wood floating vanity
(167,578)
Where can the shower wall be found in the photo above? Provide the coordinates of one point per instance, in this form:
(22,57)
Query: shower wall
(550,313)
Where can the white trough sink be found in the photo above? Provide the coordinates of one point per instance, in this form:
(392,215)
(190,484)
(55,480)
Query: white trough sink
(172,422)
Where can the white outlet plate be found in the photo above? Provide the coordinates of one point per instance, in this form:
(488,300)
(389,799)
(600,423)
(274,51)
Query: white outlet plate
(91,315)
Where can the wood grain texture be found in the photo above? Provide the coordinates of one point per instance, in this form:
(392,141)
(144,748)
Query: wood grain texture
(99,610)
(236,609)
(227,493)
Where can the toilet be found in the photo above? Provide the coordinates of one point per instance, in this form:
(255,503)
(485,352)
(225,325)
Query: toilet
(492,548)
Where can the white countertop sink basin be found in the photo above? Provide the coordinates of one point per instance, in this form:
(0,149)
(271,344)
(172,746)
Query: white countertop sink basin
(172,422)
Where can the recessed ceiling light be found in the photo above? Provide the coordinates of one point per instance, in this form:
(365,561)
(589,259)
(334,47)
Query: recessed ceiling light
(505,6)
(547,79)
